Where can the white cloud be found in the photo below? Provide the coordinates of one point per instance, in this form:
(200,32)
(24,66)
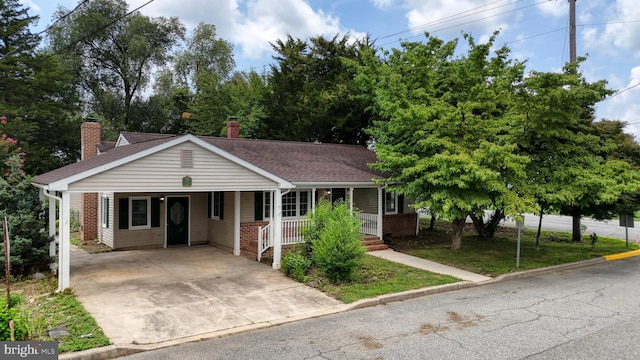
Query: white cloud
(626,105)
(554,8)
(450,17)
(31,5)
(251,24)
(621,31)
(382,4)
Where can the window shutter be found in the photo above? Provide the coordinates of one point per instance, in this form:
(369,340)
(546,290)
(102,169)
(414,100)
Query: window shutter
(209,204)
(400,204)
(221,206)
(384,201)
(258,206)
(155,212)
(106,212)
(123,213)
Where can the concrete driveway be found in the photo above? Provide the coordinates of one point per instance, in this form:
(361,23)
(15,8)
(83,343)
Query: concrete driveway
(160,295)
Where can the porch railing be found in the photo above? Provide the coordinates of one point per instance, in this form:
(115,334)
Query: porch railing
(264,239)
(292,231)
(369,223)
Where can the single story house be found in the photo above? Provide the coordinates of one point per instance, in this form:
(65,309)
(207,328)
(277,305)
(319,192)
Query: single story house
(248,196)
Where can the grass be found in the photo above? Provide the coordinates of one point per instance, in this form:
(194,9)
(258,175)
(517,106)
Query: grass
(497,256)
(43,310)
(378,277)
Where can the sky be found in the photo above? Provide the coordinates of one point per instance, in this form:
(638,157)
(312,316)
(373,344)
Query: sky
(608,31)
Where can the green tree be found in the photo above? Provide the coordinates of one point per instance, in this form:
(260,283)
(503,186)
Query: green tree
(311,94)
(569,170)
(112,54)
(446,138)
(21,205)
(36,94)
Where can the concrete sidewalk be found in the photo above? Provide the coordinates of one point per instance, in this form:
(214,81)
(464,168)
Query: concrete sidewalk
(428,265)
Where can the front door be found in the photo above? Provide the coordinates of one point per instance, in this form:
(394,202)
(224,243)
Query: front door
(177,221)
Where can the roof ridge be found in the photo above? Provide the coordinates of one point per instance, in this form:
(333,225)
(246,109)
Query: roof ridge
(307,143)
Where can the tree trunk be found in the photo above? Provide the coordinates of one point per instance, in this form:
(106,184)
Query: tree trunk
(539,231)
(488,230)
(432,223)
(456,227)
(576,235)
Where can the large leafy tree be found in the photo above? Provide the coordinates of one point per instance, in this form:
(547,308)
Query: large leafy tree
(446,137)
(569,169)
(35,93)
(311,94)
(112,54)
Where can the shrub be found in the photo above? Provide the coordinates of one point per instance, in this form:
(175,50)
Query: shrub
(7,315)
(317,221)
(338,250)
(295,265)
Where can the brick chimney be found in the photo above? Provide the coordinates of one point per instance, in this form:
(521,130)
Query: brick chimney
(89,141)
(233,128)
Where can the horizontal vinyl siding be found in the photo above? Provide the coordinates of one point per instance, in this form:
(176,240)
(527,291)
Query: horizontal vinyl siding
(106,234)
(198,218)
(247,203)
(162,172)
(366,200)
(221,231)
(76,202)
(124,238)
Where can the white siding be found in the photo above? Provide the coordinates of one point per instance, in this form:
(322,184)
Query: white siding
(247,204)
(125,238)
(220,232)
(366,200)
(105,235)
(162,171)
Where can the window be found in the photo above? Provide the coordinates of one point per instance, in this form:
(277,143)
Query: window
(216,205)
(139,214)
(104,213)
(289,202)
(294,204)
(267,205)
(390,202)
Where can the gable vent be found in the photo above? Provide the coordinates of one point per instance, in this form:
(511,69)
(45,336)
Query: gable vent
(186,158)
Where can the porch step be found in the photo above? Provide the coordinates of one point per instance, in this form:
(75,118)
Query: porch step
(373,243)
(249,254)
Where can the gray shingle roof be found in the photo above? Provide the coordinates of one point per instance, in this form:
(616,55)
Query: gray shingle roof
(296,162)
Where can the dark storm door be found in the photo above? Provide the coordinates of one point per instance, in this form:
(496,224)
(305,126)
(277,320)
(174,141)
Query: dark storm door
(177,221)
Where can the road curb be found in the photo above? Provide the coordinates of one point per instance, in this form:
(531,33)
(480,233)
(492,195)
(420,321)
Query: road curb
(623,255)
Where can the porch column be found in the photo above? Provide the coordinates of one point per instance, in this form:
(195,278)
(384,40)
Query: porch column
(236,223)
(313,199)
(351,200)
(52,226)
(380,205)
(65,242)
(277,228)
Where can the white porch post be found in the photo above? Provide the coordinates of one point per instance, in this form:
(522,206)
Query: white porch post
(313,199)
(380,205)
(277,228)
(52,226)
(65,242)
(351,200)
(236,223)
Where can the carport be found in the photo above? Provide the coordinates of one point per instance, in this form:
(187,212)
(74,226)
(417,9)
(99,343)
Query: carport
(159,295)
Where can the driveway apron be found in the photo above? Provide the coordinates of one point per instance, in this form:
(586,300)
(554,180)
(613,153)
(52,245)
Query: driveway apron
(153,296)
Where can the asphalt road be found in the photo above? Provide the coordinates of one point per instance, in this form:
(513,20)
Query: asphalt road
(590,312)
(607,228)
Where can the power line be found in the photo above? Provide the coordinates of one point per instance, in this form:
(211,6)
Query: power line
(101,28)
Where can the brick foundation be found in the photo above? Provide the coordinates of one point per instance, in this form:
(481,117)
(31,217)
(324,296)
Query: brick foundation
(399,225)
(249,232)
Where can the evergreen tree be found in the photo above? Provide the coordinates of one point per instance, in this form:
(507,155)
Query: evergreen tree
(36,94)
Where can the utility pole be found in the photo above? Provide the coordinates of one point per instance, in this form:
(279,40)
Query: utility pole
(572,31)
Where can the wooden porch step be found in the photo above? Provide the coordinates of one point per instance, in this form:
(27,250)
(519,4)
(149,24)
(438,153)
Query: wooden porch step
(373,243)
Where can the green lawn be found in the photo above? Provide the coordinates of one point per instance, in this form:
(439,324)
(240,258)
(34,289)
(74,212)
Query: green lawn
(498,256)
(378,277)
